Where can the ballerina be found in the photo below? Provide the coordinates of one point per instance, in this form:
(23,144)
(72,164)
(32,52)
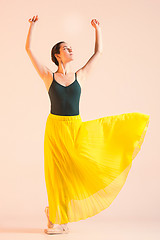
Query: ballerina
(86,163)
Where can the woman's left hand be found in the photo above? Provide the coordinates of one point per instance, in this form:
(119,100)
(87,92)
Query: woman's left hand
(95,23)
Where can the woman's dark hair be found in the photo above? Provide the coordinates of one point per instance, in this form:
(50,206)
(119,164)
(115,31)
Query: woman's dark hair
(55,50)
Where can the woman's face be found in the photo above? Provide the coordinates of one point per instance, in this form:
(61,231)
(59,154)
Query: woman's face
(66,53)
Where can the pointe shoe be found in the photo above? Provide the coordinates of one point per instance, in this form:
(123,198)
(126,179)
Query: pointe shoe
(50,224)
(56,230)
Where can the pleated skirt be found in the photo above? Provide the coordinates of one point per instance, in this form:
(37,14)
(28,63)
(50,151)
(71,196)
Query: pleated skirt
(86,163)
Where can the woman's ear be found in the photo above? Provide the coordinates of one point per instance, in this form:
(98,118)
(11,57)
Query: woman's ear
(57,56)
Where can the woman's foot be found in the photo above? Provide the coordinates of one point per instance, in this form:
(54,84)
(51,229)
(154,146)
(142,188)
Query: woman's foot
(56,230)
(50,224)
(62,228)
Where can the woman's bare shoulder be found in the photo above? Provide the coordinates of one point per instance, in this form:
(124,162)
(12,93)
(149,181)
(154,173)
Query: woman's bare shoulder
(48,77)
(49,73)
(80,76)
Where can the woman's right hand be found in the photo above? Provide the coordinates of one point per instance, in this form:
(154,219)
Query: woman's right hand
(33,19)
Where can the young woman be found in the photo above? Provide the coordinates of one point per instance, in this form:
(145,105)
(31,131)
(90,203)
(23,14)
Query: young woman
(86,163)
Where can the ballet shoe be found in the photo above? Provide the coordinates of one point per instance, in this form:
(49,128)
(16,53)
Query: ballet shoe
(57,230)
(62,228)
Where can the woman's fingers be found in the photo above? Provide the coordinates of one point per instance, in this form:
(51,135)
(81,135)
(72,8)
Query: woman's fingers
(95,23)
(33,19)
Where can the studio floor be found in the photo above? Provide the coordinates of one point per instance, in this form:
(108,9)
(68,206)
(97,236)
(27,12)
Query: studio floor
(94,230)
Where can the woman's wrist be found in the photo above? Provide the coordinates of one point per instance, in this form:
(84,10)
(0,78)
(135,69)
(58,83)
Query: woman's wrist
(32,23)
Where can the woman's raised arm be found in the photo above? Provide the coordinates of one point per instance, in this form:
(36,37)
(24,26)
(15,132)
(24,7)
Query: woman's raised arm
(84,72)
(42,70)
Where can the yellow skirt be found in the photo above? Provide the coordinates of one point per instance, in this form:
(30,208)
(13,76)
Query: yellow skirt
(86,163)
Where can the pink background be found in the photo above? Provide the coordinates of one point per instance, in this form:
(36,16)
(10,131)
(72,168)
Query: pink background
(126,79)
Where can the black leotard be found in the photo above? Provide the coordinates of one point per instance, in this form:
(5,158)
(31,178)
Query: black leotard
(64,99)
